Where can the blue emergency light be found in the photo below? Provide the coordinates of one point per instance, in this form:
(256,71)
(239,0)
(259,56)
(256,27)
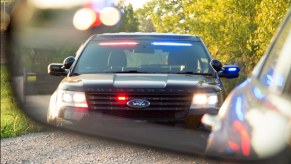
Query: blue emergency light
(170,44)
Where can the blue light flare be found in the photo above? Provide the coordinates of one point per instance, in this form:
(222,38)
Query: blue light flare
(245,83)
(269,80)
(232,69)
(170,44)
(238,108)
(280,81)
(257,92)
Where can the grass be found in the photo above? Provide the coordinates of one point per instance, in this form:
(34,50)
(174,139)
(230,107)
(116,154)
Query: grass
(13,121)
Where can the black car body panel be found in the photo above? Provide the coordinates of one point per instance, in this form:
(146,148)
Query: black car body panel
(88,82)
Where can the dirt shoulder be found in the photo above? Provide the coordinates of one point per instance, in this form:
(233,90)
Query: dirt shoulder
(64,147)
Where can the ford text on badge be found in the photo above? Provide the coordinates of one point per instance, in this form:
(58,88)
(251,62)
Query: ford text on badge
(138,103)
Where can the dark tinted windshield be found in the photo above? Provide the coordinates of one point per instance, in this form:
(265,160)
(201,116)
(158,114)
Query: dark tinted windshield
(143,56)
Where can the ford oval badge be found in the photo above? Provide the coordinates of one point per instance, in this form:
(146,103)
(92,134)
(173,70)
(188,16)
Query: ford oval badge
(138,103)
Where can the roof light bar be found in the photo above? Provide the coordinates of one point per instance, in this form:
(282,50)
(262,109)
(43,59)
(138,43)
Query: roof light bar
(170,44)
(118,43)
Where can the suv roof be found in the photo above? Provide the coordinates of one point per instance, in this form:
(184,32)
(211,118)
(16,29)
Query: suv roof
(139,35)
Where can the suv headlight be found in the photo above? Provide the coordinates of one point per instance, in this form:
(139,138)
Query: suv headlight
(72,98)
(204,100)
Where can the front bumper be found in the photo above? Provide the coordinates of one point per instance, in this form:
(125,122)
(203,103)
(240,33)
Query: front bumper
(71,115)
(201,111)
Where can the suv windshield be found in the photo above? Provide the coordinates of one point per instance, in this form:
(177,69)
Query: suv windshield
(143,57)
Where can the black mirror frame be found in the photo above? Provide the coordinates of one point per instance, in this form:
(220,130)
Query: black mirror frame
(55,69)
(216,65)
(68,62)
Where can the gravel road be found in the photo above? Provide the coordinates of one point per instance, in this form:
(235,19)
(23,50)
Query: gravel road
(65,147)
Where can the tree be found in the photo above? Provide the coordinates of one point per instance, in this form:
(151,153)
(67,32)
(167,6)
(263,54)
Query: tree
(234,31)
(166,16)
(145,23)
(267,20)
(129,22)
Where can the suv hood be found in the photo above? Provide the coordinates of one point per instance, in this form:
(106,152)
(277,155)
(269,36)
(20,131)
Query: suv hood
(161,81)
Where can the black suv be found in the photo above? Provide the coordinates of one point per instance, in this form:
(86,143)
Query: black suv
(142,76)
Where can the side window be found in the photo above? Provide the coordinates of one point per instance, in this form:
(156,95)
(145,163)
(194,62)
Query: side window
(258,67)
(266,76)
(203,65)
(277,64)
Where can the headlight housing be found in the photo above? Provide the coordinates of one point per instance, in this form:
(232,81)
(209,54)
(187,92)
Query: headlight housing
(204,100)
(72,98)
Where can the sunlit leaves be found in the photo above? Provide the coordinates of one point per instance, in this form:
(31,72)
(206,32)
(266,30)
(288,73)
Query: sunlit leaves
(129,20)
(268,19)
(235,31)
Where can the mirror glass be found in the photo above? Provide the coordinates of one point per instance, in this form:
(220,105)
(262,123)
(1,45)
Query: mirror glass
(145,108)
(42,33)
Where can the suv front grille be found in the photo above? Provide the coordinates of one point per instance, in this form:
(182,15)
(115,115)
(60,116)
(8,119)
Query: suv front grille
(161,105)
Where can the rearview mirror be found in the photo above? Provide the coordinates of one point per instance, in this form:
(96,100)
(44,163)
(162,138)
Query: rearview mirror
(226,71)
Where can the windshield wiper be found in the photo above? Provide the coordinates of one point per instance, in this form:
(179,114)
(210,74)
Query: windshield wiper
(195,73)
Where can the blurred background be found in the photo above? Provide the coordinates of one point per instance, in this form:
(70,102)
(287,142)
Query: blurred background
(45,31)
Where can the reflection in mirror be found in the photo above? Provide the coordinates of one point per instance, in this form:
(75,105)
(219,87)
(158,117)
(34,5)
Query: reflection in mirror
(142,108)
(122,86)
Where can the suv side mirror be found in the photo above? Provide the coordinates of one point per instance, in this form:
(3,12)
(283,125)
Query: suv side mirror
(227,71)
(56,69)
(68,62)
(216,64)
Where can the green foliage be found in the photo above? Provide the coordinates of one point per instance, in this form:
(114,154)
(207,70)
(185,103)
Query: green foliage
(145,23)
(269,17)
(236,32)
(13,121)
(129,22)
